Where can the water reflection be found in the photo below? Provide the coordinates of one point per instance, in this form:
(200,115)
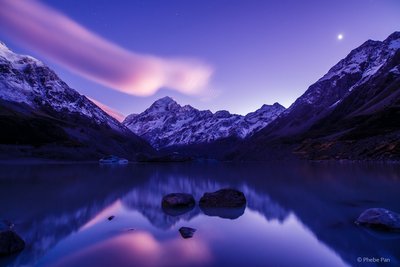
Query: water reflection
(296,215)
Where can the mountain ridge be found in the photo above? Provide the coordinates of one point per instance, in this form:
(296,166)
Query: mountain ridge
(166,123)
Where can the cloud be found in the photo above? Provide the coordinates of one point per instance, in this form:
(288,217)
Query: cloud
(59,38)
(110,111)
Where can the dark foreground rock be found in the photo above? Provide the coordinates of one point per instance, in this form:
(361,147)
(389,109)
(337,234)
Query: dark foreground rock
(187,232)
(177,203)
(224,198)
(10,243)
(380,218)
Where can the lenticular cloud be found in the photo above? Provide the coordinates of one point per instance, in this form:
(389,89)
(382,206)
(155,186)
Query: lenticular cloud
(64,41)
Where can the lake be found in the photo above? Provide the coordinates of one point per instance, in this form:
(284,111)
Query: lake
(297,214)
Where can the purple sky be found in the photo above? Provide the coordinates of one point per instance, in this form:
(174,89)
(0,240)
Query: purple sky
(259,51)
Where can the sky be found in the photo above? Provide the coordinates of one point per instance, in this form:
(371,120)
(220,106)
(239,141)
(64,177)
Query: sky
(212,54)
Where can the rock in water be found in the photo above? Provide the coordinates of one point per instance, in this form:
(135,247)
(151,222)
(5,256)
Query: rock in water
(177,203)
(10,242)
(225,213)
(380,218)
(224,198)
(224,203)
(187,232)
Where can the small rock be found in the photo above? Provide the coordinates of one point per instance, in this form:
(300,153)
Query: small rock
(380,218)
(111,217)
(187,232)
(224,198)
(10,242)
(177,203)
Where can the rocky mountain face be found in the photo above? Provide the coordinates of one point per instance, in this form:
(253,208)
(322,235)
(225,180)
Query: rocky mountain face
(27,80)
(350,113)
(37,109)
(166,123)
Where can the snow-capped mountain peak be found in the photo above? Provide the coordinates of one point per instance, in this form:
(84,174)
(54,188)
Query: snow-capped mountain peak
(342,80)
(163,104)
(24,79)
(352,71)
(367,59)
(166,123)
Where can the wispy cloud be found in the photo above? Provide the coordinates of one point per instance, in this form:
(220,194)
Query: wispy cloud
(59,38)
(110,111)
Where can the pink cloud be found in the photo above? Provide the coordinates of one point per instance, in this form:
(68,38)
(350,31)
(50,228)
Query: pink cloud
(110,111)
(59,38)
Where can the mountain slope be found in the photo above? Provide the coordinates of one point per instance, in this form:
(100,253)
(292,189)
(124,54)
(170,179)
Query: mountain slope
(42,116)
(347,114)
(165,124)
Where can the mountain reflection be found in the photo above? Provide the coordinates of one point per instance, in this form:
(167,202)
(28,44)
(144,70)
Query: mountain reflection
(147,198)
(60,208)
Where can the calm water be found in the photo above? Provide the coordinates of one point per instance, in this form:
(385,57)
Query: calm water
(296,215)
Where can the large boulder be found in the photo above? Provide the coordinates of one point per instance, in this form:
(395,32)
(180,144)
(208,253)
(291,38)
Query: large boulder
(224,198)
(380,218)
(177,203)
(224,203)
(10,242)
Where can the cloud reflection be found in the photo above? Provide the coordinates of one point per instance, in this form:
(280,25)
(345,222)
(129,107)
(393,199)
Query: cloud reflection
(141,249)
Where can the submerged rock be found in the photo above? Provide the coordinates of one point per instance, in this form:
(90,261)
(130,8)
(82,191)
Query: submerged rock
(380,218)
(10,242)
(225,213)
(187,232)
(177,203)
(224,198)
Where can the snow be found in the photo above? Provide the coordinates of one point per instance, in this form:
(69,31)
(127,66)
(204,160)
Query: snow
(21,80)
(395,44)
(166,123)
(364,61)
(18,62)
(371,71)
(372,53)
(395,70)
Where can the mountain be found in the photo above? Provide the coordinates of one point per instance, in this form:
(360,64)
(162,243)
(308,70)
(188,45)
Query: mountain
(350,113)
(166,123)
(41,116)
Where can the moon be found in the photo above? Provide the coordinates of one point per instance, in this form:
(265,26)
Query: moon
(340,36)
